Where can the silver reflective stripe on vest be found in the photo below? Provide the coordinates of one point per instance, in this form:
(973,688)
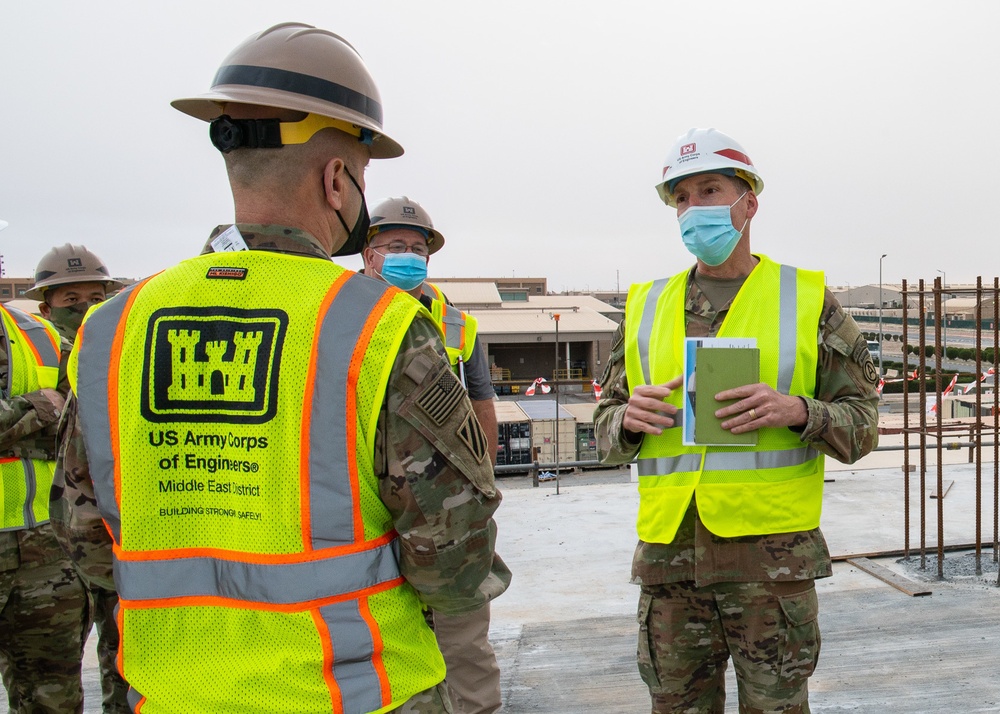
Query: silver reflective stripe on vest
(758,460)
(331,499)
(668,464)
(454,323)
(284,584)
(92,393)
(37,335)
(353,649)
(727,461)
(788,330)
(646,324)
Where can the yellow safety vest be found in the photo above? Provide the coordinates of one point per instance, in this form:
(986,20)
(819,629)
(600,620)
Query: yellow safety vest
(773,487)
(230,425)
(33,350)
(459,328)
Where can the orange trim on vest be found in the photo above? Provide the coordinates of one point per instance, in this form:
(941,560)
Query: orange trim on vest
(351,423)
(216,601)
(115,360)
(34,351)
(9,460)
(255,558)
(377,648)
(304,440)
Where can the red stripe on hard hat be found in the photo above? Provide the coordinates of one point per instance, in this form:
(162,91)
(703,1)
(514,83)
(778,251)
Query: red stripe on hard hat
(665,169)
(735,156)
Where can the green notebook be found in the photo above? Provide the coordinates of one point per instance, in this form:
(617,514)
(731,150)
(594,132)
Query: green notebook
(718,369)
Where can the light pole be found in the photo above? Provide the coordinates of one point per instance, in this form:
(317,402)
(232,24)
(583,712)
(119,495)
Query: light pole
(944,311)
(880,313)
(555,378)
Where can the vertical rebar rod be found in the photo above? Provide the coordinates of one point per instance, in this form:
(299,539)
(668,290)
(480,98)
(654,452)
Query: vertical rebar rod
(938,365)
(922,372)
(978,423)
(906,433)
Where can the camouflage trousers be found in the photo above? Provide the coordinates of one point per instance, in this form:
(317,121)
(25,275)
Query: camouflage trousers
(44,620)
(687,635)
(114,689)
(436,700)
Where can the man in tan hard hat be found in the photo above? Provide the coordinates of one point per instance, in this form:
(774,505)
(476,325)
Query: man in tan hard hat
(280,450)
(401,240)
(69,280)
(729,538)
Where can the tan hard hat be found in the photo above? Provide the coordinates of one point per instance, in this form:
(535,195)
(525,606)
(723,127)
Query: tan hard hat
(67,264)
(403,212)
(302,68)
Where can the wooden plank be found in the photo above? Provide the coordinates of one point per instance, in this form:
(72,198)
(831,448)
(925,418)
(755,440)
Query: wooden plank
(889,576)
(947,487)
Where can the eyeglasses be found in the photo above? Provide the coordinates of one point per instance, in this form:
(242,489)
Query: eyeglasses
(398,246)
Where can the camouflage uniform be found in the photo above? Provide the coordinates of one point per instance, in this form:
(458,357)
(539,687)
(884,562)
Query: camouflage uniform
(761,585)
(83,537)
(437,485)
(44,610)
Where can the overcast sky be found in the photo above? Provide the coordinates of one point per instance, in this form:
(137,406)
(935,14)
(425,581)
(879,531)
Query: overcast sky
(534,131)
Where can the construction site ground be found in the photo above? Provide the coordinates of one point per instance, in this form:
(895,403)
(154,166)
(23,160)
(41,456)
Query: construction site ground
(565,631)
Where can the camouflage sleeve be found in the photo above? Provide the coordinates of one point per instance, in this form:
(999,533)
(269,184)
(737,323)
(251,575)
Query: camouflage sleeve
(73,511)
(436,479)
(615,445)
(28,424)
(843,416)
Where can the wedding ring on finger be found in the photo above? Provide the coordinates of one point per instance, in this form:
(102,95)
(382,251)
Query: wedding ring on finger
(753,414)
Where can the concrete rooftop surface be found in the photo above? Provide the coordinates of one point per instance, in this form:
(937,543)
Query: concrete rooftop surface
(565,631)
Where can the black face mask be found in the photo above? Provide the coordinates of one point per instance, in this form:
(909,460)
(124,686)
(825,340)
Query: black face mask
(357,236)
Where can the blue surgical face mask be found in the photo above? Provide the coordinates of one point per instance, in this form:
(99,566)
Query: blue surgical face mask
(404,270)
(708,232)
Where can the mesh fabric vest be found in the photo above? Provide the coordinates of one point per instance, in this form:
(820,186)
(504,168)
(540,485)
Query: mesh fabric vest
(229,407)
(33,348)
(459,328)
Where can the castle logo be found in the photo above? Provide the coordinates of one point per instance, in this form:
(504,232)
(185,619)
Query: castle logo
(212,365)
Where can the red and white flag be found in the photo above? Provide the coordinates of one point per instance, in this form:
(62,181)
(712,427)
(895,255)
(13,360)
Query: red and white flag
(951,386)
(982,378)
(597,389)
(881,386)
(540,382)
(912,376)
(945,393)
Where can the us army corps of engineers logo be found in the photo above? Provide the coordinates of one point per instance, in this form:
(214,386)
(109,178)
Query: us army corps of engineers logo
(212,365)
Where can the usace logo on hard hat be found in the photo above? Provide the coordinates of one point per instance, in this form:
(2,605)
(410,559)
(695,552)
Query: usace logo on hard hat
(688,149)
(409,211)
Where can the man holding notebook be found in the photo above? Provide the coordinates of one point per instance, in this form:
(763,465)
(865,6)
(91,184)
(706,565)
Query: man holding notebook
(729,538)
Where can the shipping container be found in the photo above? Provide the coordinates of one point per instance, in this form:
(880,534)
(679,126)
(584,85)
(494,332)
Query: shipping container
(544,423)
(586,443)
(514,431)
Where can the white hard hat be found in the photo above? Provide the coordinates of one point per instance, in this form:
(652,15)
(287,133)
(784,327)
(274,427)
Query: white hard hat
(703,151)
